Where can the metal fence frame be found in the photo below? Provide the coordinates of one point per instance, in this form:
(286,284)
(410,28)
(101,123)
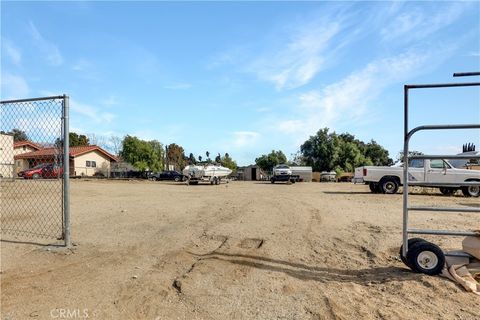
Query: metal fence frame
(66,232)
(406,183)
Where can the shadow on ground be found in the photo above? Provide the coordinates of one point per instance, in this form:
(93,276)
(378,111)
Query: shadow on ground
(320,274)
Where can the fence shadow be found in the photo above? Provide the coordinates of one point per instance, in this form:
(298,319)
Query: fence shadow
(33,243)
(320,274)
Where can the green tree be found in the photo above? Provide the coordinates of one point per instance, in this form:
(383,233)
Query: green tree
(328,151)
(319,151)
(377,154)
(18,135)
(74,139)
(266,162)
(191,159)
(176,156)
(145,155)
(208,157)
(410,153)
(228,162)
(78,139)
(199,158)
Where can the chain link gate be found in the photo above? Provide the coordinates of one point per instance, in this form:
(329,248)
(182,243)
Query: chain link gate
(34,169)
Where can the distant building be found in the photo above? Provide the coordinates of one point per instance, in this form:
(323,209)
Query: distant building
(251,173)
(21,147)
(7,162)
(84,160)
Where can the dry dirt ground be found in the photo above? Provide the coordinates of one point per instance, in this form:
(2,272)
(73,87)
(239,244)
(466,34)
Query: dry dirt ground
(243,250)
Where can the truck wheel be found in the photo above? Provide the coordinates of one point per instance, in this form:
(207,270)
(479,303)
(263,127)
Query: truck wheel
(272,180)
(411,242)
(389,186)
(176,179)
(448,191)
(471,191)
(374,187)
(425,257)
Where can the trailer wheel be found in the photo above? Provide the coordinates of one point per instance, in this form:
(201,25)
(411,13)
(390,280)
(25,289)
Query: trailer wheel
(411,242)
(389,185)
(425,257)
(471,191)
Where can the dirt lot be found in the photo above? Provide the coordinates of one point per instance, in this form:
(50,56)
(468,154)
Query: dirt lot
(244,250)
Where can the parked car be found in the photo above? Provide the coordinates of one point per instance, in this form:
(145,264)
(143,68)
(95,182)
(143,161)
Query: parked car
(169,175)
(283,172)
(44,170)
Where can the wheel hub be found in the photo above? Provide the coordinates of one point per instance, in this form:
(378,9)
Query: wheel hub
(427,260)
(474,190)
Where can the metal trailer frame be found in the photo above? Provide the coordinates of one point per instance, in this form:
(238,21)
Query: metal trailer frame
(408,133)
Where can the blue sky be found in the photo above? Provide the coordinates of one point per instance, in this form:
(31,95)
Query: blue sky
(247,77)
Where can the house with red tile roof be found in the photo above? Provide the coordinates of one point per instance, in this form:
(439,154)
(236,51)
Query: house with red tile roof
(84,160)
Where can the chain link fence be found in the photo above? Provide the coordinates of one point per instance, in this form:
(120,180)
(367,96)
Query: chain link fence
(34,169)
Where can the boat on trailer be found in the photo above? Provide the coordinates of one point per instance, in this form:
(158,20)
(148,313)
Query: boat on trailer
(207,173)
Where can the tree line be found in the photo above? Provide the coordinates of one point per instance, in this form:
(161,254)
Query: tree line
(329,151)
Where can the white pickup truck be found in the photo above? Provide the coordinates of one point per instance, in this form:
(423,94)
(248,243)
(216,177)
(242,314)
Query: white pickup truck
(439,173)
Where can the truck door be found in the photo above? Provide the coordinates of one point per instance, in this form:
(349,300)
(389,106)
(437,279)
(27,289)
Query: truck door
(416,170)
(438,171)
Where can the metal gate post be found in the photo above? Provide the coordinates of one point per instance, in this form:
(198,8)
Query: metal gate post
(66,171)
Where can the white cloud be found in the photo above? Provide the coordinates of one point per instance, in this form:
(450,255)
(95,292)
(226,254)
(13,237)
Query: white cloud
(13,52)
(245,138)
(82,65)
(50,50)
(90,112)
(347,101)
(110,101)
(418,23)
(298,61)
(14,87)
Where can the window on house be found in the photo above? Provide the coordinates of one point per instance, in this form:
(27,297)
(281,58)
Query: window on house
(94,164)
(24,148)
(88,164)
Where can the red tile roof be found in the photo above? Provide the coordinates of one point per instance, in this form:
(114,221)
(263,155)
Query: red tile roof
(74,152)
(26,143)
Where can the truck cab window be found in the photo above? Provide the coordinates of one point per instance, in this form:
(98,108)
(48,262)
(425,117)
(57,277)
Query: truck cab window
(437,164)
(416,163)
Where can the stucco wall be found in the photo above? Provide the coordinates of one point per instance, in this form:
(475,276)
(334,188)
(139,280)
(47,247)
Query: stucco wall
(22,149)
(102,164)
(6,156)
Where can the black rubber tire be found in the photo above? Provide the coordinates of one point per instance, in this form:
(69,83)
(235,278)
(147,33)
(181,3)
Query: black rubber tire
(374,187)
(447,191)
(272,180)
(389,185)
(411,242)
(176,179)
(471,191)
(36,176)
(425,247)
